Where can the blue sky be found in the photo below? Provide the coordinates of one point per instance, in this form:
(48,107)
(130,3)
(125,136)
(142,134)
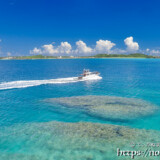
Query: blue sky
(77,26)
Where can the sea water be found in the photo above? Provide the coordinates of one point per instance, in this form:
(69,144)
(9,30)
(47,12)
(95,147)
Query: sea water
(25,84)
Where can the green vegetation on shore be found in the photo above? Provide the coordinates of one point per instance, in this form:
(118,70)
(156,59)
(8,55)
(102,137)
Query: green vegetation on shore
(134,55)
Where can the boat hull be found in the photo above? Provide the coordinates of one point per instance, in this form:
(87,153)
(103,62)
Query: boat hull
(89,77)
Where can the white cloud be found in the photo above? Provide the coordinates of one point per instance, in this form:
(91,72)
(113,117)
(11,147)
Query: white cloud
(0,40)
(36,51)
(49,49)
(65,47)
(9,54)
(131,46)
(104,46)
(147,50)
(155,51)
(82,47)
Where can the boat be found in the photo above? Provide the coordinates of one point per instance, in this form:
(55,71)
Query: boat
(88,75)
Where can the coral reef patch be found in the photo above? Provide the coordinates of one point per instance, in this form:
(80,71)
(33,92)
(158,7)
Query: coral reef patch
(73,141)
(108,107)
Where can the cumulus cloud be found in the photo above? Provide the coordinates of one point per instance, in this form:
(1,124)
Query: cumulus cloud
(36,51)
(9,54)
(101,46)
(154,52)
(131,46)
(147,50)
(82,47)
(49,49)
(64,47)
(104,46)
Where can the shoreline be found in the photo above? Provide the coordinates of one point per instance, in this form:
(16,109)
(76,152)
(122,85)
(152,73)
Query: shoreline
(98,56)
(80,58)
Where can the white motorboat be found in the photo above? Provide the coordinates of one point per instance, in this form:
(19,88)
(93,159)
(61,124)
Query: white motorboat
(86,75)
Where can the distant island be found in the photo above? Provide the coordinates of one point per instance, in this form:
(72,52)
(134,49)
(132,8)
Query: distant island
(134,55)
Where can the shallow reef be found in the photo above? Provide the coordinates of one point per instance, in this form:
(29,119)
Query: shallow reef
(71,141)
(108,107)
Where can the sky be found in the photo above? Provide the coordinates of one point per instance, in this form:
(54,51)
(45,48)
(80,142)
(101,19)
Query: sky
(79,27)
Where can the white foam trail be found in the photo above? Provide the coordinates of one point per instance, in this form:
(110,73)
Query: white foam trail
(30,83)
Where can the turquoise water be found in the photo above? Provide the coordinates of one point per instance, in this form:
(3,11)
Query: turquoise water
(129,78)
(133,78)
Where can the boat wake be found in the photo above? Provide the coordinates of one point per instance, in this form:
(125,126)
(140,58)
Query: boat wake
(30,83)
